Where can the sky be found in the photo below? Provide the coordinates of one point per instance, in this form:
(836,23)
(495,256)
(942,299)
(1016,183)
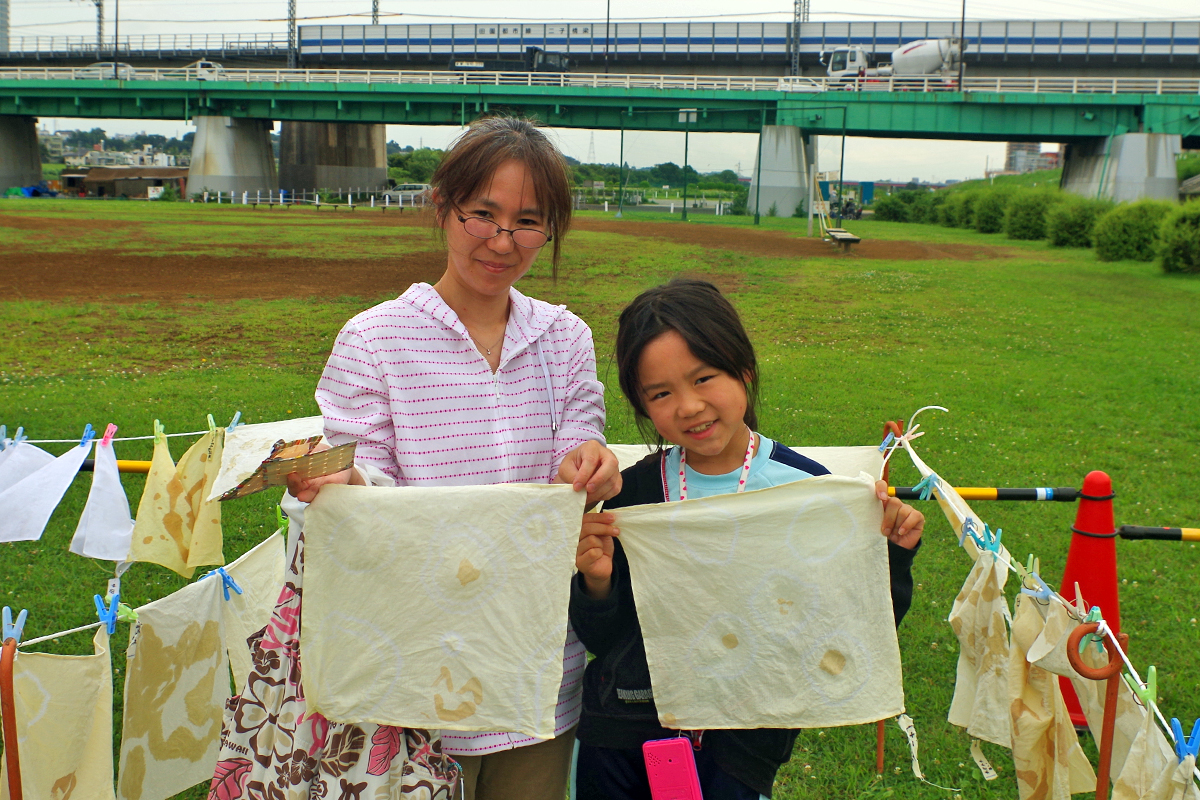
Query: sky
(865,159)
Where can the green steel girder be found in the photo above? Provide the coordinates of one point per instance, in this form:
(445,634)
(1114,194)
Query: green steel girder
(942,115)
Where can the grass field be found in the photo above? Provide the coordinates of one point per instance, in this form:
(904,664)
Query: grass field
(1051,363)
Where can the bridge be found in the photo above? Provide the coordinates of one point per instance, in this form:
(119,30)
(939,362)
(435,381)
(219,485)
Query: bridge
(1099,118)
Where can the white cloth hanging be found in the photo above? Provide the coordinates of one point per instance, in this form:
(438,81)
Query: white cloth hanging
(105,526)
(26,506)
(259,574)
(18,461)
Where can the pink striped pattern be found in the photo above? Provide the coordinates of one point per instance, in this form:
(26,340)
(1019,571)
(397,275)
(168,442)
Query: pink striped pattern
(405,382)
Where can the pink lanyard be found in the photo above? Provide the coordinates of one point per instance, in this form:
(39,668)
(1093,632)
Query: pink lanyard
(683,466)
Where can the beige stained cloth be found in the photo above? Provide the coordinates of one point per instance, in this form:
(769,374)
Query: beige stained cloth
(176,685)
(978,616)
(176,526)
(64,725)
(259,574)
(438,608)
(1047,758)
(247,446)
(770,608)
(1149,758)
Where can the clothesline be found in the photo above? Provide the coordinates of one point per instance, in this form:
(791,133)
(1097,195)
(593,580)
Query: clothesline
(115,438)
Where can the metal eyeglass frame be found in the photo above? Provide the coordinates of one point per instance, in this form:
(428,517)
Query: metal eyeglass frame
(510,231)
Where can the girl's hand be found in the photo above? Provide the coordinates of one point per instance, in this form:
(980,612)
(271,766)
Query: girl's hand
(305,490)
(594,556)
(902,524)
(593,466)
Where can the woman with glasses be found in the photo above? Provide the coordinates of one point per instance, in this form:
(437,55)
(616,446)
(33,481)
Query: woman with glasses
(465,382)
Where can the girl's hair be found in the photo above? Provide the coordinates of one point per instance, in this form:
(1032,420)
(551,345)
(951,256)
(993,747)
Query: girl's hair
(710,325)
(489,142)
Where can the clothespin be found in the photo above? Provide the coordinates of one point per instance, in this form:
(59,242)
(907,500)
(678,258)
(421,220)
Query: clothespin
(19,436)
(1031,565)
(126,614)
(227,581)
(159,431)
(1094,638)
(886,441)
(212,423)
(3,436)
(108,615)
(109,432)
(13,630)
(988,540)
(968,529)
(1186,747)
(925,487)
(88,435)
(237,420)
(1148,694)
(280,518)
(1041,592)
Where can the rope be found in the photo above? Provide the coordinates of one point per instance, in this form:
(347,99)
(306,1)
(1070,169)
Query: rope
(115,438)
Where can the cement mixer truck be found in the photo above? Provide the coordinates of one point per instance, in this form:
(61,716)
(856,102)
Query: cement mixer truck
(919,59)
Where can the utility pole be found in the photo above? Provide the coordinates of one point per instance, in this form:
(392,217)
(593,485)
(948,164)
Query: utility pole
(962,41)
(292,51)
(799,14)
(686,116)
(374,12)
(99,27)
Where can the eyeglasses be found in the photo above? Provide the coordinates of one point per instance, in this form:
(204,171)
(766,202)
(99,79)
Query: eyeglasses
(482,228)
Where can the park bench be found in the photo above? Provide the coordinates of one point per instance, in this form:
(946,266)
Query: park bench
(843,238)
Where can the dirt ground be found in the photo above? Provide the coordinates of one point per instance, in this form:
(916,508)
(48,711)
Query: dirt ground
(113,274)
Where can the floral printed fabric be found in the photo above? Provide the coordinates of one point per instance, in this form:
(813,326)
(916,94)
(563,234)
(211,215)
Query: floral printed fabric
(272,748)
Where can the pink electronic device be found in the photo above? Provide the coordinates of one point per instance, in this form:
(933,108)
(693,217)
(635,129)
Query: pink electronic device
(671,768)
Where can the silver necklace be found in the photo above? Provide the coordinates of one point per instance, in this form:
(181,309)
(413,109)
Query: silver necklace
(488,349)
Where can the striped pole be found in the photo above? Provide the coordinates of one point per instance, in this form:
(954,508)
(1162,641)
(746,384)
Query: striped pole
(1161,534)
(994,493)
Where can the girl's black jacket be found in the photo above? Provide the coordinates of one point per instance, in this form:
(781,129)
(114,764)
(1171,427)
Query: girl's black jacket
(618,702)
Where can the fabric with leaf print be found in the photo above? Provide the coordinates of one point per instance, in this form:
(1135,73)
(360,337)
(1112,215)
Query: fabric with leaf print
(272,748)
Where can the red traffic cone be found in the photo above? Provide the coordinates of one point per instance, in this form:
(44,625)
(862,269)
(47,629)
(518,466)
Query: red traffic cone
(1092,564)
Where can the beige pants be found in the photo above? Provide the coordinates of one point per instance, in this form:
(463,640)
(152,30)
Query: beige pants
(536,772)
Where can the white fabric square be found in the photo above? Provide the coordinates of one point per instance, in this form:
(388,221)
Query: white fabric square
(18,461)
(26,506)
(768,609)
(259,574)
(441,607)
(105,527)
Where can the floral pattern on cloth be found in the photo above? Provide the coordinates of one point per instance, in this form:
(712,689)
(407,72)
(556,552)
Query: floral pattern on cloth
(273,749)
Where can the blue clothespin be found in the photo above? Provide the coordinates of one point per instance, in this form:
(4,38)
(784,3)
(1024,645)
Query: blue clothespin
(88,435)
(1094,638)
(1041,593)
(237,420)
(19,436)
(11,630)
(108,615)
(227,581)
(3,436)
(991,540)
(1149,693)
(1186,747)
(925,487)
(968,529)
(891,437)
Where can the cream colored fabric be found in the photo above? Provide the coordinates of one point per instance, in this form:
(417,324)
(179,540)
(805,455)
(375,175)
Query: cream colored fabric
(767,609)
(105,526)
(846,461)
(1130,714)
(439,608)
(978,615)
(259,574)
(1049,651)
(247,446)
(26,506)
(1150,756)
(64,725)
(176,685)
(1047,758)
(176,526)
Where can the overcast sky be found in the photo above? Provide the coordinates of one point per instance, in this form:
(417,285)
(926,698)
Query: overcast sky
(866,159)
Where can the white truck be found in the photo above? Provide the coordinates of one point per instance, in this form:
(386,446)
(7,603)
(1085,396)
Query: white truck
(922,58)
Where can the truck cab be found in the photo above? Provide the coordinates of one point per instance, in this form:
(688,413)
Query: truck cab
(847,62)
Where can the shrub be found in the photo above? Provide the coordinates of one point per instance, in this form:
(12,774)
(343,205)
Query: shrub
(169,194)
(1179,239)
(741,197)
(1187,167)
(918,205)
(773,211)
(1070,223)
(1130,231)
(989,210)
(959,210)
(1025,217)
(891,208)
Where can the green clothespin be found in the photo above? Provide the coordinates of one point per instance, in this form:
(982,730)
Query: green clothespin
(280,518)
(160,433)
(126,614)
(212,423)
(1149,693)
(1092,616)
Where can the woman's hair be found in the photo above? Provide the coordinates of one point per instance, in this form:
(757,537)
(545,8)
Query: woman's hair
(491,141)
(708,323)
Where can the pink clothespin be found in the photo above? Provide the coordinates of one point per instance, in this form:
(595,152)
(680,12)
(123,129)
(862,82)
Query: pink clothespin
(109,432)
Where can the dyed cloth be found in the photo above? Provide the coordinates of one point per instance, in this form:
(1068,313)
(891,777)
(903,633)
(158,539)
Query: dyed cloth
(1047,758)
(272,746)
(768,609)
(26,505)
(177,527)
(1150,757)
(259,574)
(483,575)
(176,685)
(978,617)
(63,710)
(247,446)
(105,526)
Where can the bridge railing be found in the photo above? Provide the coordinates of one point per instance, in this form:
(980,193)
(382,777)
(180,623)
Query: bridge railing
(164,44)
(935,83)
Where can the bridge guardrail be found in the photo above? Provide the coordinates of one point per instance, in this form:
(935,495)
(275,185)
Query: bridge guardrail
(164,43)
(935,83)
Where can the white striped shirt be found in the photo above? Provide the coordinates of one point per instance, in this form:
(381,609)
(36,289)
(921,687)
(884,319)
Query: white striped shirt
(407,384)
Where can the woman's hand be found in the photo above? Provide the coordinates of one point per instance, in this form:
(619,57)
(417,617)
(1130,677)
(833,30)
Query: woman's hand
(593,466)
(594,556)
(902,524)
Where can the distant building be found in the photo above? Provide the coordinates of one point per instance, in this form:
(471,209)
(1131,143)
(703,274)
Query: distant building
(1027,156)
(55,143)
(133,181)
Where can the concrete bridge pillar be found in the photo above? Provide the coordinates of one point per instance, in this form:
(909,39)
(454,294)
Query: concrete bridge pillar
(1125,167)
(332,155)
(786,154)
(20,158)
(234,155)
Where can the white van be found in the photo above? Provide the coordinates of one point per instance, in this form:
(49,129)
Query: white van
(408,194)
